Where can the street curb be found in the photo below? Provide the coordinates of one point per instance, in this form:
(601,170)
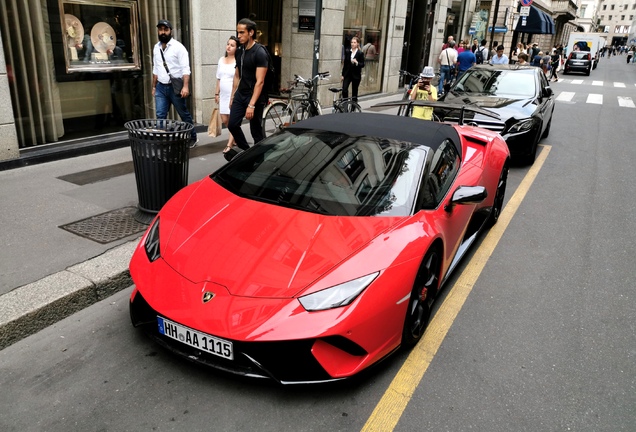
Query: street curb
(30,308)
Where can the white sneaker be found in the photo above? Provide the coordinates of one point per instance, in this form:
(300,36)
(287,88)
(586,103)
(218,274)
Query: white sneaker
(194,142)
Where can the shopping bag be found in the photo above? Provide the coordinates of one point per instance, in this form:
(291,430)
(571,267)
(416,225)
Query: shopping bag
(214,129)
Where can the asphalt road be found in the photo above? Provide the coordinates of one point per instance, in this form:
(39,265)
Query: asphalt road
(545,341)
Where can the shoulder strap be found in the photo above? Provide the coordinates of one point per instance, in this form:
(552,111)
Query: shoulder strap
(164,62)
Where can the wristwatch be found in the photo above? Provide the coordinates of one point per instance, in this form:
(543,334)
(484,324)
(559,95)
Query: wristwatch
(251,106)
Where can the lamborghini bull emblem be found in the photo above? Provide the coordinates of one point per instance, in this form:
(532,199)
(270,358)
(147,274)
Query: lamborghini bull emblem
(207,296)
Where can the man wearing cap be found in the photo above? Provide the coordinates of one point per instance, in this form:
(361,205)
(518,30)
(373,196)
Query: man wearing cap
(426,92)
(175,65)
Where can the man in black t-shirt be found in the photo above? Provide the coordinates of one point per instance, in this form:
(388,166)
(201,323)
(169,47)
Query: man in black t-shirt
(248,98)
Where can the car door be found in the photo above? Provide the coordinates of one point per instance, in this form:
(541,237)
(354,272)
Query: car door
(545,100)
(444,175)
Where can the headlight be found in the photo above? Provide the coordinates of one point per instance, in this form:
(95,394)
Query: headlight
(152,242)
(522,126)
(337,296)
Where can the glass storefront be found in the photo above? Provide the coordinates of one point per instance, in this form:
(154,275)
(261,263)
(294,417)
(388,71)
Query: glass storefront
(80,68)
(364,19)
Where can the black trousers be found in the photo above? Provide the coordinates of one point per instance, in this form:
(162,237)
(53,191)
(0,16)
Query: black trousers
(237,114)
(355,83)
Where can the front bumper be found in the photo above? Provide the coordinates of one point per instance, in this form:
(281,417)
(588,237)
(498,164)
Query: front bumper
(287,362)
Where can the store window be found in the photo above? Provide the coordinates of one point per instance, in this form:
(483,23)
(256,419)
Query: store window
(84,68)
(364,19)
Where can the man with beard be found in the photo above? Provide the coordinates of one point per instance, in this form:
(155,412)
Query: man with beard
(171,62)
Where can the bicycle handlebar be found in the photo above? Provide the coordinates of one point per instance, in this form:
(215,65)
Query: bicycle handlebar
(308,83)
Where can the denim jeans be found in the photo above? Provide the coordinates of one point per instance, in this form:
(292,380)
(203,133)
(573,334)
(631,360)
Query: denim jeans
(164,96)
(444,74)
(237,113)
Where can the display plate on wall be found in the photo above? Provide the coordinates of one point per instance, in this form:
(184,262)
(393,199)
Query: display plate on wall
(100,36)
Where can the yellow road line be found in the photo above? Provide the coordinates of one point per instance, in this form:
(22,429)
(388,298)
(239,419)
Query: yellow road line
(395,399)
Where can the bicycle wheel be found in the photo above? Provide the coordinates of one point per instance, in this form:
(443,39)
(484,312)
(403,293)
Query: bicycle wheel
(301,113)
(348,106)
(275,118)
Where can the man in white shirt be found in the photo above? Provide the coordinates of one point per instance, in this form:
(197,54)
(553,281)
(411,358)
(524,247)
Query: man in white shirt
(500,57)
(447,59)
(175,66)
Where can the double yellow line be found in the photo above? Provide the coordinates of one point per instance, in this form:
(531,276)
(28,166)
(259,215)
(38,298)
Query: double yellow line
(395,399)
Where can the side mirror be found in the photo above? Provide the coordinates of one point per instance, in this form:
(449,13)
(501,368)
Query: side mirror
(467,195)
(548,92)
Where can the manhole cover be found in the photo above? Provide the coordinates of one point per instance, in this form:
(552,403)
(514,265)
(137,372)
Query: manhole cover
(107,227)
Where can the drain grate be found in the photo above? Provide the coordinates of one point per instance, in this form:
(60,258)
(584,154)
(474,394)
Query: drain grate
(107,227)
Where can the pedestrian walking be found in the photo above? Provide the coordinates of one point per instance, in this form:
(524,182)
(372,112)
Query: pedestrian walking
(465,60)
(352,69)
(171,70)
(248,98)
(224,81)
(447,60)
(555,62)
(499,57)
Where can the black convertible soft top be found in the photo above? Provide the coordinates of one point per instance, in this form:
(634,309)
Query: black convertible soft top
(389,126)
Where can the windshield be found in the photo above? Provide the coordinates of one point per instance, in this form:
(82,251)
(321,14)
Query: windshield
(514,83)
(329,173)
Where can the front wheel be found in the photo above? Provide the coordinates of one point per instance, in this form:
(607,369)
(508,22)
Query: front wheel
(275,118)
(424,289)
(497,205)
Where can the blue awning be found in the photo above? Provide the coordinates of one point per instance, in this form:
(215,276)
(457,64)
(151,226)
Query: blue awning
(538,22)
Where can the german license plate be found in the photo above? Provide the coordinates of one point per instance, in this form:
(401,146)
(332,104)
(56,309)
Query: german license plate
(196,339)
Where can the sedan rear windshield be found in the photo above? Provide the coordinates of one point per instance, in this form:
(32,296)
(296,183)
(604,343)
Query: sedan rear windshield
(329,173)
(580,55)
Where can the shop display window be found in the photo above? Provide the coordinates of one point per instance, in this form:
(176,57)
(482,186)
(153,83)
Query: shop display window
(99,36)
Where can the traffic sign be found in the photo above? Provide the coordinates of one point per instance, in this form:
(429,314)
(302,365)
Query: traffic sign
(525,2)
(524,10)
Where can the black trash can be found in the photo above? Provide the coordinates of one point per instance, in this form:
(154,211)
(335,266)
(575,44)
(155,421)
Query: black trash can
(161,155)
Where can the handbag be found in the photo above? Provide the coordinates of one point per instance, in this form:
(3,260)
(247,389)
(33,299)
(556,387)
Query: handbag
(177,83)
(214,128)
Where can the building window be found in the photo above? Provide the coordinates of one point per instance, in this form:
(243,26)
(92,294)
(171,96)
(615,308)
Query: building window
(610,17)
(582,15)
(366,20)
(612,7)
(604,7)
(622,17)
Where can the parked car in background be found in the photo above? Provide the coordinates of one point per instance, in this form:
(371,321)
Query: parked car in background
(520,95)
(578,61)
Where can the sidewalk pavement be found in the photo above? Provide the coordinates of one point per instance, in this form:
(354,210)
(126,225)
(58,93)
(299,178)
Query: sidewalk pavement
(47,272)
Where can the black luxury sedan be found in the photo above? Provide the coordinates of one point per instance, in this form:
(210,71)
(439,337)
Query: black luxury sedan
(520,95)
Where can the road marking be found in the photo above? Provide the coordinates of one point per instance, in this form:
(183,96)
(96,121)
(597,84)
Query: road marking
(389,409)
(597,83)
(565,96)
(595,98)
(577,81)
(617,84)
(626,102)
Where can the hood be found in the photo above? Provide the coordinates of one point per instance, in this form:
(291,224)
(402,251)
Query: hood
(505,107)
(256,249)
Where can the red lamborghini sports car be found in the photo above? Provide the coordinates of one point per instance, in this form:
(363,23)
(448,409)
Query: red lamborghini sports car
(319,251)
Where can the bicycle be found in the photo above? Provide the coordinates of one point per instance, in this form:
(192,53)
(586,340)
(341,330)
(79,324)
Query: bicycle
(277,114)
(300,106)
(310,107)
(413,79)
